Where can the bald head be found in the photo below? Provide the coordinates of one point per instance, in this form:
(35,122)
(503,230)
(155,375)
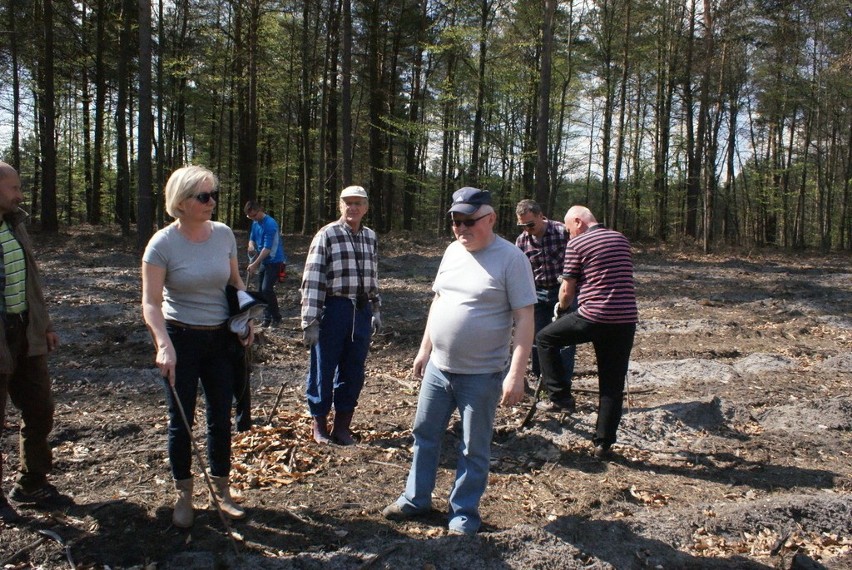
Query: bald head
(6,170)
(578,219)
(10,189)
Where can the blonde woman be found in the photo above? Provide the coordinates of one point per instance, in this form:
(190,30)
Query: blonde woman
(185,269)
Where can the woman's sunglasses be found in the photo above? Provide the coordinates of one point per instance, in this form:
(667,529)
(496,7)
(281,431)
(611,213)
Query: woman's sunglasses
(204,197)
(467,223)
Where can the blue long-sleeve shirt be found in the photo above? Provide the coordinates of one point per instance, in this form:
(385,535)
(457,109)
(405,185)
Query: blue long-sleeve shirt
(265,235)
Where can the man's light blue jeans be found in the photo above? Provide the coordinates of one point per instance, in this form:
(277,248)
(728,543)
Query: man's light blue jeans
(476,397)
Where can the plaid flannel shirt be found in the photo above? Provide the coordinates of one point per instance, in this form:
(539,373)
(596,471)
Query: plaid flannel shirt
(546,255)
(331,269)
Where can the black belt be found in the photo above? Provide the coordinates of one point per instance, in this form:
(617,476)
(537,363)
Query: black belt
(186,326)
(15,320)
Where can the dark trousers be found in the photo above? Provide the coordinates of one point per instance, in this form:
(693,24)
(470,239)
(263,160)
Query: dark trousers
(204,356)
(559,388)
(29,389)
(267,277)
(612,342)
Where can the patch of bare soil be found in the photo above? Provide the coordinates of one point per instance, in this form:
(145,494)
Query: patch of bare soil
(734,450)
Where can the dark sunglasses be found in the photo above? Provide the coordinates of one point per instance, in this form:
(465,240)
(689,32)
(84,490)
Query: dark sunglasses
(204,197)
(467,223)
(528,225)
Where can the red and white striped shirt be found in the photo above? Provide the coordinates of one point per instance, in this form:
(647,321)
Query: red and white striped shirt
(601,261)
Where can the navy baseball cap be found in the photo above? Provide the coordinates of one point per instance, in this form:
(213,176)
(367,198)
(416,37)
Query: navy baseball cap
(467,200)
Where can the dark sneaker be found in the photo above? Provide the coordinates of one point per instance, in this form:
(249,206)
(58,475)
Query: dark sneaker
(394,512)
(567,406)
(603,452)
(8,515)
(45,496)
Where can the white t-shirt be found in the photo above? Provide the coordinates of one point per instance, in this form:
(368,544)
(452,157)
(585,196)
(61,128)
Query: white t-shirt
(196,273)
(471,320)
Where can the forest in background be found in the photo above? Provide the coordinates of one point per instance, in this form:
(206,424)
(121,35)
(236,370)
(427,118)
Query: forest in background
(716,121)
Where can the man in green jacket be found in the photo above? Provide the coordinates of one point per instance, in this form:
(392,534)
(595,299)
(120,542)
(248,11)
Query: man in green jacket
(26,337)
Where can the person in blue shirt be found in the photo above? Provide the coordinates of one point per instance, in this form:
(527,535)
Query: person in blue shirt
(266,253)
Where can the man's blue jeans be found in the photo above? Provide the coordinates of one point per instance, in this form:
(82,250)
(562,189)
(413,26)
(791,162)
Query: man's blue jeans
(558,389)
(476,397)
(267,277)
(336,374)
(206,356)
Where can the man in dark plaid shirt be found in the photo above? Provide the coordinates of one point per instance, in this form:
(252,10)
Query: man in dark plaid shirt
(340,310)
(544,242)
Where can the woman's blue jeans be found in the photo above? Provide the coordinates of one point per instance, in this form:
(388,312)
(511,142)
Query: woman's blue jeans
(206,356)
(475,396)
(336,374)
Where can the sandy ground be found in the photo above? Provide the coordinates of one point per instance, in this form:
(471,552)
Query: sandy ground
(734,451)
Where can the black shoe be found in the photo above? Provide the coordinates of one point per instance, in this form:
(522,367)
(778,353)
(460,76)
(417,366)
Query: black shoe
(566,406)
(603,452)
(8,515)
(45,496)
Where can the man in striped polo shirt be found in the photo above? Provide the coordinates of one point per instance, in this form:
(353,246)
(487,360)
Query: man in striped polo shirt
(598,261)
(26,336)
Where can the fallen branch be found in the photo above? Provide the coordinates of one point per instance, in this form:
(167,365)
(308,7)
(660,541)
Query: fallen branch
(106,504)
(386,464)
(24,550)
(591,391)
(275,405)
(378,556)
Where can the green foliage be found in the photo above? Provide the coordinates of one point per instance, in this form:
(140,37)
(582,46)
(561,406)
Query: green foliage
(781,70)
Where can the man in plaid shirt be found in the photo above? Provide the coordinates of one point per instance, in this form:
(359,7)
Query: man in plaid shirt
(340,310)
(544,242)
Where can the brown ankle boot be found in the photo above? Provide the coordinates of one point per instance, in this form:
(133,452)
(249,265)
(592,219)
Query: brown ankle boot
(222,488)
(183,515)
(319,427)
(341,432)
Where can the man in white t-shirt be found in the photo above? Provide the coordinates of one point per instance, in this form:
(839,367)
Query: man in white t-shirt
(472,357)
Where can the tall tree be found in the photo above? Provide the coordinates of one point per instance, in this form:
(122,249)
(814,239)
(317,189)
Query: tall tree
(145,204)
(622,114)
(376,108)
(47,112)
(94,206)
(346,94)
(122,186)
(16,85)
(542,177)
(247,16)
(478,126)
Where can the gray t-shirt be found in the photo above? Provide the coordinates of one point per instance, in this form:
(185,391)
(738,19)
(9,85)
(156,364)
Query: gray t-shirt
(471,321)
(196,273)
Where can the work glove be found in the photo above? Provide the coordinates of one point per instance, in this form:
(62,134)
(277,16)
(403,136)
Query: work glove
(376,323)
(557,312)
(310,336)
